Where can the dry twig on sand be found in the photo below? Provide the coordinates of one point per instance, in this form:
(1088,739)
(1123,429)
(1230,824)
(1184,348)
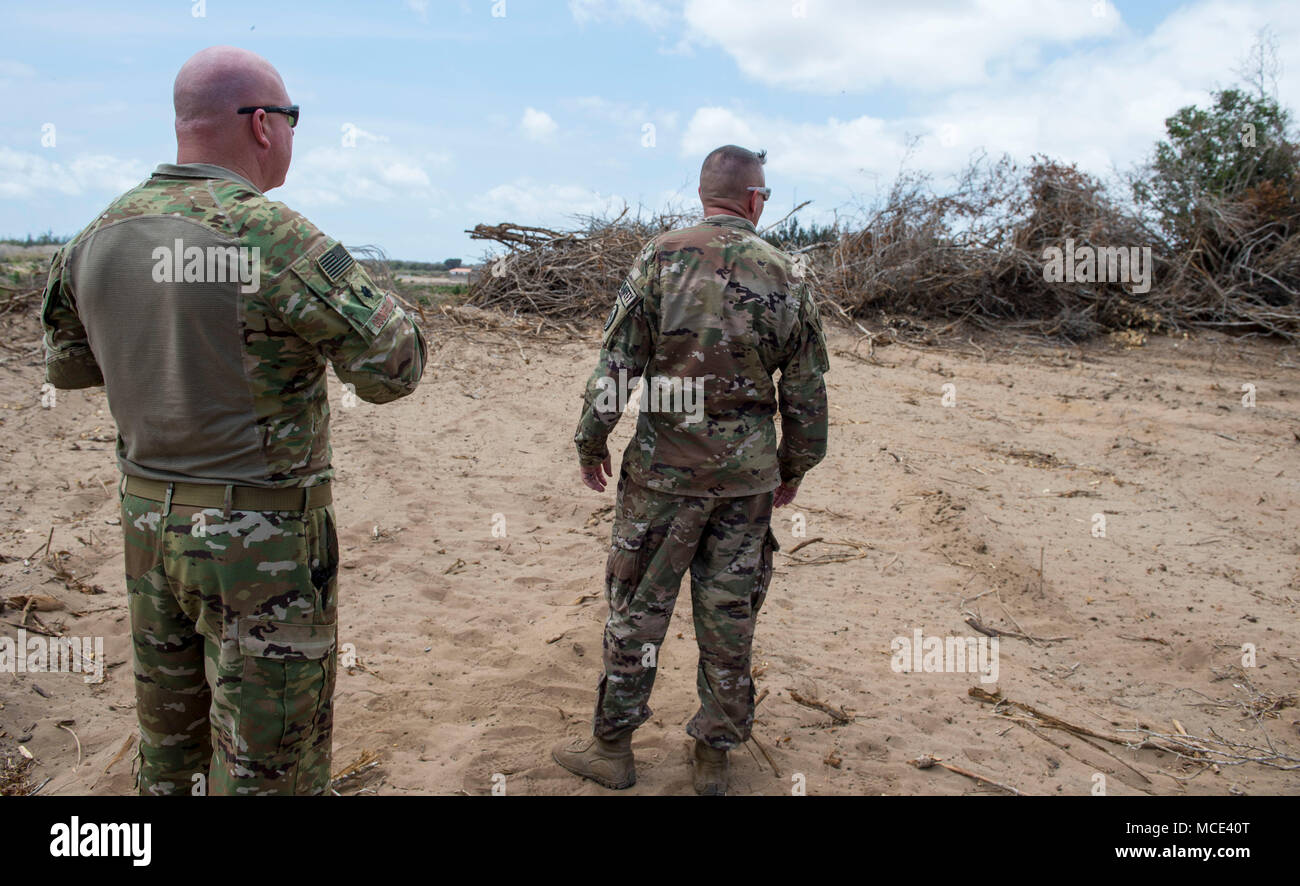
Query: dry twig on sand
(859,551)
(776,771)
(121,752)
(367,760)
(928,761)
(839,715)
(1210,751)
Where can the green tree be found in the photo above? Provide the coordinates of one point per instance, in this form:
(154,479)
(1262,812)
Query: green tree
(1237,145)
(790,234)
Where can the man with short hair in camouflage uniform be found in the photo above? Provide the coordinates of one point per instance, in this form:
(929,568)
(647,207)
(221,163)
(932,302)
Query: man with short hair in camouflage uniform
(706,317)
(208,312)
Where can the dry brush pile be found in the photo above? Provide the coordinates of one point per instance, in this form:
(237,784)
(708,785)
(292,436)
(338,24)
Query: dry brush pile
(1241,269)
(980,254)
(924,263)
(563,275)
(976,255)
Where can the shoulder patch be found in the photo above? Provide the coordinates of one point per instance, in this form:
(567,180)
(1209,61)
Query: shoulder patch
(381,314)
(626,303)
(627,295)
(368,296)
(335,263)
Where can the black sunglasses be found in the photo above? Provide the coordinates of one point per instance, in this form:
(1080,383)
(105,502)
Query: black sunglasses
(291,112)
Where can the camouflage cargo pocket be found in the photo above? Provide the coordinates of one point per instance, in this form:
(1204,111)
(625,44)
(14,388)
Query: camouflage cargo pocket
(623,572)
(288,682)
(770,547)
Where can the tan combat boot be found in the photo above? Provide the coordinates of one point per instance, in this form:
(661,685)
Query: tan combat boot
(608,762)
(711,770)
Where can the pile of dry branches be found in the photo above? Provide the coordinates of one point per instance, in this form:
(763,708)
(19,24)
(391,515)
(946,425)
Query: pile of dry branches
(563,275)
(976,254)
(1242,269)
(923,262)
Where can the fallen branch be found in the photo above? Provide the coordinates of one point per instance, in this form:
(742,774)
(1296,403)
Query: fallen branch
(776,772)
(839,715)
(927,762)
(861,550)
(1055,722)
(121,752)
(66,725)
(1015,635)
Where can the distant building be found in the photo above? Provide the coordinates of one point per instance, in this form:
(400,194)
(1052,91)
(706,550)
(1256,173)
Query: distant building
(464,273)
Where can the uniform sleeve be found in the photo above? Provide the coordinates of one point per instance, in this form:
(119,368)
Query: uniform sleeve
(329,300)
(802,396)
(625,350)
(69,362)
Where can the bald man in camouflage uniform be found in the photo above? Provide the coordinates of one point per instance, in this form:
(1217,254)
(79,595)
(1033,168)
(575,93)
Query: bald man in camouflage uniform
(715,311)
(209,312)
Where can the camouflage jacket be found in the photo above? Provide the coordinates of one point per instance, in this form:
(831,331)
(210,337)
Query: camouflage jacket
(208,312)
(708,315)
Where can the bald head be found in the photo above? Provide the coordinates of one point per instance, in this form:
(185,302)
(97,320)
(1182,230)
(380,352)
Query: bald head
(220,79)
(209,90)
(728,172)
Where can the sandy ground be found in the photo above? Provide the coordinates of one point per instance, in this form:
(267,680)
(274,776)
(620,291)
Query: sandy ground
(478,652)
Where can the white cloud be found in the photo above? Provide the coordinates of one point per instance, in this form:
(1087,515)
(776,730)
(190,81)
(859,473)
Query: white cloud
(354,135)
(529,202)
(419,7)
(837,151)
(331,176)
(537,125)
(855,45)
(712,127)
(1107,105)
(1102,107)
(25,175)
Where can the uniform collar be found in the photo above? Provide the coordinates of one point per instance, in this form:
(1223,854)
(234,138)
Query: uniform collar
(731,221)
(201,170)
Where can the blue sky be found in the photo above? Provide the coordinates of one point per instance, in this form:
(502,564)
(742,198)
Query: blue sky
(462,116)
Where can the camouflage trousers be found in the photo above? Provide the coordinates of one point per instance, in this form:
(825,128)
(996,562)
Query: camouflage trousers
(233,623)
(727,544)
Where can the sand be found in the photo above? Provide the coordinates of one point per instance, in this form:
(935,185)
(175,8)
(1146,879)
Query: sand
(477,651)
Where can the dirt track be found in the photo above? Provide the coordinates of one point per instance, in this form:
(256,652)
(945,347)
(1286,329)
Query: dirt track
(479,652)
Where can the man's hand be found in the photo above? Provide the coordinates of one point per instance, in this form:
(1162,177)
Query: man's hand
(593,477)
(784,495)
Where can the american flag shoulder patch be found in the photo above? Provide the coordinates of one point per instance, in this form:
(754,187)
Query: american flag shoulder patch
(335,263)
